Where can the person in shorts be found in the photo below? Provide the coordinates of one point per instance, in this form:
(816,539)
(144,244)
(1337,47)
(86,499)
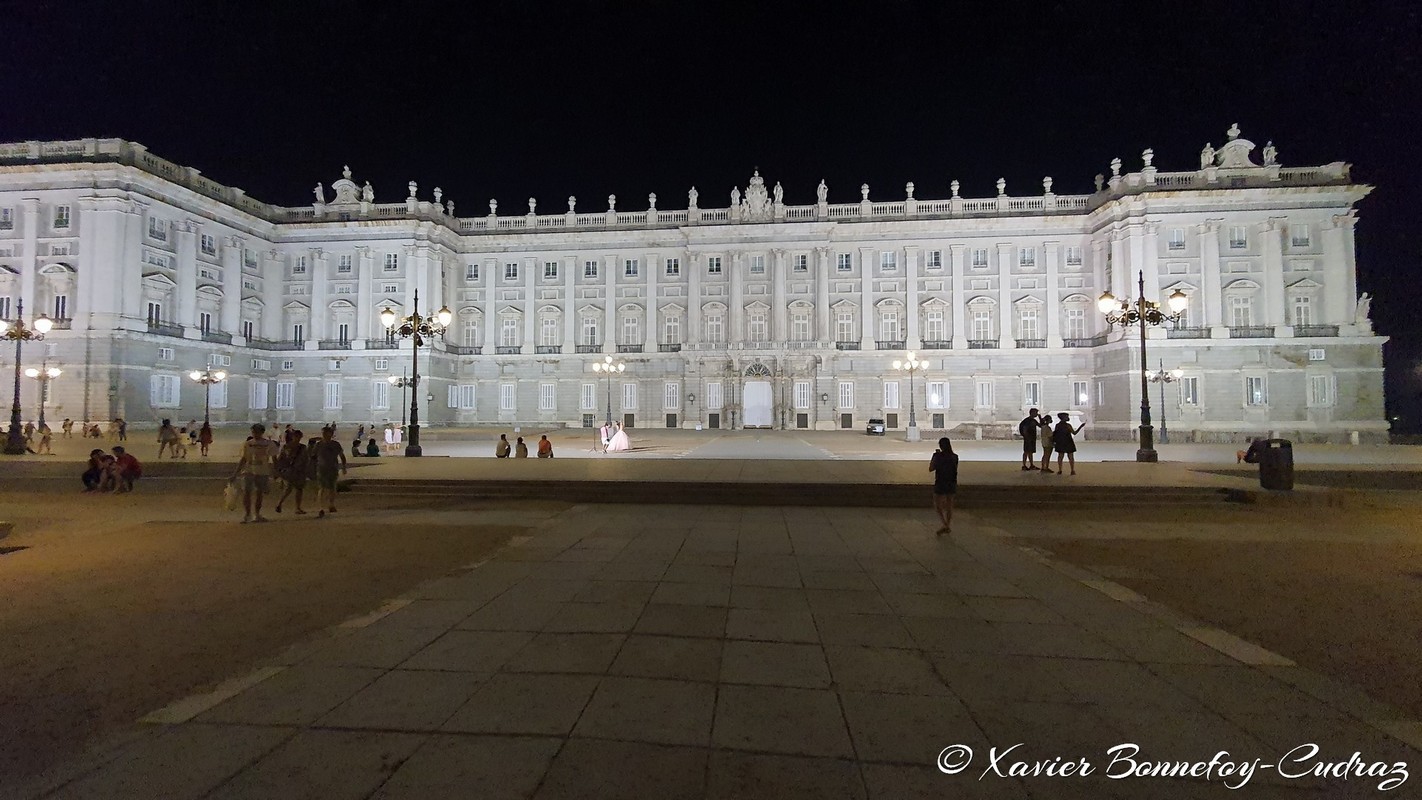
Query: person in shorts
(1027,429)
(255,470)
(291,468)
(328,457)
(944,466)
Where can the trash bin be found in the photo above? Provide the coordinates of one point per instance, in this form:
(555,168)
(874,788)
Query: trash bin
(1276,464)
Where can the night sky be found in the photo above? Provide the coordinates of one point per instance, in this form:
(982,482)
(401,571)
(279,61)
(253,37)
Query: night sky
(519,100)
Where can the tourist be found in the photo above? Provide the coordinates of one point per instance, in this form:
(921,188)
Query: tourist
(95,432)
(1063,442)
(327,457)
(255,469)
(167,438)
(605,435)
(205,438)
(355,444)
(68,427)
(1044,429)
(501,449)
(944,466)
(372,450)
(29,431)
(392,439)
(95,470)
(619,442)
(46,435)
(545,447)
(192,430)
(180,444)
(1027,429)
(1250,455)
(122,429)
(126,470)
(291,468)
(360,432)
(521,450)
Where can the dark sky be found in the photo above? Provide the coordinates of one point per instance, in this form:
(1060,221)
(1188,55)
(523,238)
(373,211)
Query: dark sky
(518,100)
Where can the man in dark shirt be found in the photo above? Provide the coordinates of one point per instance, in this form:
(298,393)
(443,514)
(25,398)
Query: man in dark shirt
(1027,429)
(328,456)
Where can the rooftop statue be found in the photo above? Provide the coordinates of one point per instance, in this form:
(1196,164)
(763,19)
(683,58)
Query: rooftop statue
(822,191)
(367,194)
(320,194)
(1271,154)
(1207,156)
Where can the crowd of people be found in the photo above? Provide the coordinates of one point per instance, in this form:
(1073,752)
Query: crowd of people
(292,463)
(115,471)
(502,449)
(1059,437)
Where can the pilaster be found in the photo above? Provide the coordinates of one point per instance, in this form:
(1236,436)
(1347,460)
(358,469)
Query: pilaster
(365,296)
(958,303)
(1004,295)
(320,314)
(912,339)
(649,319)
(779,313)
(185,236)
(1210,272)
(737,332)
(866,296)
(1336,289)
(29,262)
(570,304)
(230,312)
(1052,252)
(273,295)
(530,340)
(1271,231)
(609,311)
(823,326)
(1150,262)
(696,264)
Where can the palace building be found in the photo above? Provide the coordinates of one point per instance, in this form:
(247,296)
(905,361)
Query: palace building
(755,314)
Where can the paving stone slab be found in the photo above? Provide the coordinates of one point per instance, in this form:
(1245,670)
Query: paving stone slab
(879,669)
(604,770)
(908,729)
(433,613)
(484,767)
(769,598)
(775,664)
(647,710)
(678,620)
(692,594)
(604,591)
(781,720)
(771,626)
(298,695)
(747,776)
(567,652)
(594,618)
(382,646)
(405,700)
(874,630)
(469,651)
(322,765)
(510,614)
(677,657)
(524,704)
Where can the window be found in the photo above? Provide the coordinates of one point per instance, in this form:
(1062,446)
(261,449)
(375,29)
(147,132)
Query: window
(1079,397)
(333,365)
(631,330)
(713,395)
(204,321)
(210,274)
(464,398)
(508,332)
(757,265)
(343,333)
(471,272)
(1254,391)
(1299,236)
(715,328)
(588,397)
(889,326)
(934,328)
(888,261)
(671,395)
(1076,323)
(287,365)
(155,313)
(550,270)
(219,360)
(630,266)
(756,327)
(1177,239)
(470,333)
(1100,393)
(218,395)
(713,265)
(1073,256)
(511,271)
(590,331)
(671,329)
(937,394)
(261,363)
(844,327)
(207,244)
(933,259)
(1027,258)
(382,365)
(985,394)
(61,307)
(61,216)
(801,394)
(846,394)
(845,261)
(1320,391)
(392,262)
(1031,394)
(982,323)
(549,335)
(286,395)
(547,396)
(891,394)
(258,396)
(7,219)
(802,262)
(506,397)
(332,397)
(249,284)
(673,266)
(800,325)
(1316,354)
(59,249)
(345,263)
(1241,311)
(589,269)
(1027,323)
(165,354)
(1190,390)
(629,397)
(298,333)
(299,267)
(1238,237)
(1302,310)
(390,288)
(4,306)
(980,260)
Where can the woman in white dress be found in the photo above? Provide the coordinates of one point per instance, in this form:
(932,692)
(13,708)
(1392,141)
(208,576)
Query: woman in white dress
(619,441)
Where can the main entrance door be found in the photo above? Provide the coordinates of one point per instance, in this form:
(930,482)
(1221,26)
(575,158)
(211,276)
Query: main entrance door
(758,403)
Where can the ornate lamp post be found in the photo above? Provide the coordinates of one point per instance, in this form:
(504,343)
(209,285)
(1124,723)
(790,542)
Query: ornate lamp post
(402,383)
(44,375)
(1162,377)
(911,365)
(1142,312)
(207,378)
(417,328)
(608,367)
(20,333)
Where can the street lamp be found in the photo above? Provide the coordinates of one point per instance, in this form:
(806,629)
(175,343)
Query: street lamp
(911,365)
(1162,377)
(1143,312)
(20,333)
(610,368)
(402,383)
(44,375)
(417,328)
(207,378)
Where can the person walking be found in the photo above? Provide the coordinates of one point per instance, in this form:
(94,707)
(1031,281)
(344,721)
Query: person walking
(944,466)
(205,438)
(545,447)
(291,468)
(1065,445)
(255,469)
(360,432)
(192,431)
(1027,429)
(501,449)
(29,431)
(329,456)
(46,435)
(122,429)
(1045,434)
(605,435)
(521,449)
(68,428)
(168,438)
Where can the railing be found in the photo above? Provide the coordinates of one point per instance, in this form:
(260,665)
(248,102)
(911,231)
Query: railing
(982,344)
(272,344)
(548,349)
(585,349)
(937,344)
(1027,344)
(463,349)
(629,348)
(1315,330)
(1187,333)
(1252,332)
(1089,341)
(217,337)
(846,345)
(333,344)
(668,348)
(166,329)
(892,344)
(61,324)
(508,350)
(382,344)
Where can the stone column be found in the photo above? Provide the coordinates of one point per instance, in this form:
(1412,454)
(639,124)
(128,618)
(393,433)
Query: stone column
(569,304)
(957,302)
(101,265)
(1150,261)
(779,313)
(609,311)
(866,298)
(737,333)
(29,262)
(1271,231)
(1348,222)
(1210,273)
(231,310)
(1337,289)
(185,235)
(531,329)
(492,277)
(912,339)
(367,325)
(1004,295)
(272,270)
(824,322)
(649,331)
(695,262)
(131,267)
(1123,278)
(320,312)
(1052,252)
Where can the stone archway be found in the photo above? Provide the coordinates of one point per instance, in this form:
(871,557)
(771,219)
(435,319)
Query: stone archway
(758,398)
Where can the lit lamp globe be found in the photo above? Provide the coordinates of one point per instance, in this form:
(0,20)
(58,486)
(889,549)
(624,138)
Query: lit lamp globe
(445,316)
(387,317)
(1177,373)
(1107,303)
(195,375)
(43,323)
(1178,301)
(220,375)
(393,380)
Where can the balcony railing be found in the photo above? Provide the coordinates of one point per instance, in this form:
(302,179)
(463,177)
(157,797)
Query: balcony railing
(382,344)
(846,345)
(463,349)
(669,348)
(586,349)
(1187,333)
(508,350)
(629,348)
(1090,341)
(937,344)
(548,349)
(1025,344)
(166,329)
(334,344)
(217,337)
(982,344)
(890,344)
(1303,330)
(1252,332)
(61,324)
(270,344)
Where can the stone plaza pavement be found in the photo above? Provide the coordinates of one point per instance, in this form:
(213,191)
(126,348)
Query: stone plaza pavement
(725,652)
